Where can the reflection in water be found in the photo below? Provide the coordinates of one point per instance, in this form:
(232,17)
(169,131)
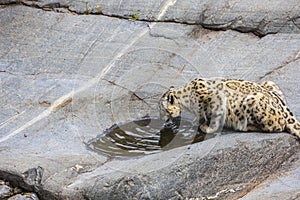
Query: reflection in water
(145,136)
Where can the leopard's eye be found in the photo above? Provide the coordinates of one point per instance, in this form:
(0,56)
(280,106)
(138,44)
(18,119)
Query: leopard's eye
(171,99)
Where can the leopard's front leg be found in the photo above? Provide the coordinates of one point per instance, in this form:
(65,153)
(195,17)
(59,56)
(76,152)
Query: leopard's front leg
(200,118)
(215,124)
(216,112)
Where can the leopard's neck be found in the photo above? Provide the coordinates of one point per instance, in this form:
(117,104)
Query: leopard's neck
(183,95)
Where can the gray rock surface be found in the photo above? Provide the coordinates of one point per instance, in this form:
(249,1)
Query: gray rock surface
(66,77)
(9,192)
(4,191)
(219,168)
(261,18)
(26,196)
(286,186)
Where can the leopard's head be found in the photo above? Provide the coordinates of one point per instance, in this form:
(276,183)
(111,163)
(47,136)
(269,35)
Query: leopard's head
(169,105)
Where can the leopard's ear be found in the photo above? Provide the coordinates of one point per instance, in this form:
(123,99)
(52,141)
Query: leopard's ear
(171,88)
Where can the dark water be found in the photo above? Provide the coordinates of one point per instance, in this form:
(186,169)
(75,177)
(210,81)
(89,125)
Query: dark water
(145,136)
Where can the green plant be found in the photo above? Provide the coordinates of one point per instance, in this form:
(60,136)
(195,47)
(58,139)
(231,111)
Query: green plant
(99,7)
(135,16)
(87,10)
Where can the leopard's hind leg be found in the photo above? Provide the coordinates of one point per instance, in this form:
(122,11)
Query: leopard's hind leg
(267,115)
(274,89)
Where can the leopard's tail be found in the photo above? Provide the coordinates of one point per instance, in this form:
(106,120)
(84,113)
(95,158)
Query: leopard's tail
(293,126)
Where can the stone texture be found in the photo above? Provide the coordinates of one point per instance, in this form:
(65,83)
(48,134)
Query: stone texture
(13,193)
(66,77)
(261,18)
(4,191)
(231,164)
(286,186)
(28,196)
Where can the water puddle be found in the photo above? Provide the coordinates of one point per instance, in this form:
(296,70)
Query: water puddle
(145,136)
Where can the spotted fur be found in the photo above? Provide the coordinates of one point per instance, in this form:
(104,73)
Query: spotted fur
(238,104)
